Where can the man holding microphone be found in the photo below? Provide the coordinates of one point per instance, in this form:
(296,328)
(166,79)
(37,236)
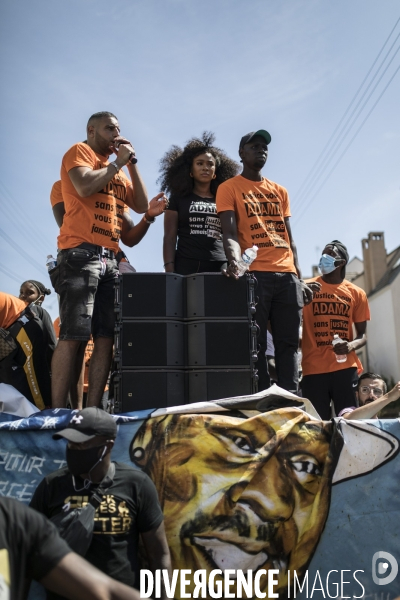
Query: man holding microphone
(94,192)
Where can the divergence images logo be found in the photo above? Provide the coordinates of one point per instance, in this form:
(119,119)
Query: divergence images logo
(380,566)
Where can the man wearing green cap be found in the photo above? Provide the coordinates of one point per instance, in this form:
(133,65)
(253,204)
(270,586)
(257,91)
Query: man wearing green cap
(255,211)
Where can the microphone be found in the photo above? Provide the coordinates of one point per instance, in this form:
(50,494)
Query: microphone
(132,159)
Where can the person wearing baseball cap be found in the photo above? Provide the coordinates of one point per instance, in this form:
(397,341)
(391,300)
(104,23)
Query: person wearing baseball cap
(129,507)
(255,211)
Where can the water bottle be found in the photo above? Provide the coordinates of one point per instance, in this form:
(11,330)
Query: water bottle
(248,257)
(51,262)
(339,357)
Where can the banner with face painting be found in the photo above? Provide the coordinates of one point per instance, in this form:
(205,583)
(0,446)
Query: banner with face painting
(252,486)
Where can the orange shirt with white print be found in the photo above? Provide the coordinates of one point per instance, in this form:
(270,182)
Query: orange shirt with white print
(333,310)
(260,208)
(10,309)
(96,219)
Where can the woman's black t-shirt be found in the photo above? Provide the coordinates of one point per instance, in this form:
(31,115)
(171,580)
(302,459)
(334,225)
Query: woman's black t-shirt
(199,228)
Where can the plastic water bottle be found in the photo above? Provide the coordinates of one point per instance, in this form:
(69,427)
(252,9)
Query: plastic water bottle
(248,257)
(339,357)
(51,262)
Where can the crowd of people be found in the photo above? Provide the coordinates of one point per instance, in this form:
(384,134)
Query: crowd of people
(212,215)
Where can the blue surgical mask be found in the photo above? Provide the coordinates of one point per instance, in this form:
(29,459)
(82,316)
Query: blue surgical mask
(326,264)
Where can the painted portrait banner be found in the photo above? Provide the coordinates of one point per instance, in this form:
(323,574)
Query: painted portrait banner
(275,502)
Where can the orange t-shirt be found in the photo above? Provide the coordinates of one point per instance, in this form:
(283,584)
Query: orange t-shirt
(98,218)
(10,309)
(260,208)
(56,194)
(333,310)
(56,197)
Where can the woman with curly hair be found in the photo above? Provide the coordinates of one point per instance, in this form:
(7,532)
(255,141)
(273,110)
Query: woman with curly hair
(192,229)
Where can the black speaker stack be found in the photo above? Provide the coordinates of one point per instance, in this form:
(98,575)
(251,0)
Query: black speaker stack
(183,339)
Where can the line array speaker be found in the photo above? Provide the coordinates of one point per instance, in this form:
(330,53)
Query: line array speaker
(146,389)
(143,343)
(182,339)
(171,296)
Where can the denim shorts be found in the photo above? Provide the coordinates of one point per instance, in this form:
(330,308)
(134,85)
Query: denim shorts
(85,284)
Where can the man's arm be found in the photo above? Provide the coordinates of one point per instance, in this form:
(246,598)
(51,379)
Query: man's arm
(74,578)
(231,243)
(138,198)
(132,234)
(308,292)
(359,341)
(157,551)
(169,242)
(293,247)
(59,212)
(88,181)
(369,411)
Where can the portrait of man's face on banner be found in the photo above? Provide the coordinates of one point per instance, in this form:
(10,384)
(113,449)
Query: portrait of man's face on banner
(243,493)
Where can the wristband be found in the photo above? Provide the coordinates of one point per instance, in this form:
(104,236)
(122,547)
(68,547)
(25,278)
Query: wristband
(114,164)
(171,262)
(148,220)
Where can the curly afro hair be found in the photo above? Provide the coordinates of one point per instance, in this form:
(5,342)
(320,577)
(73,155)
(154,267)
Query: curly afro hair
(176,165)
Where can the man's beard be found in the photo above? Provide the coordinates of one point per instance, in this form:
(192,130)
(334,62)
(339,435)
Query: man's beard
(103,145)
(225,541)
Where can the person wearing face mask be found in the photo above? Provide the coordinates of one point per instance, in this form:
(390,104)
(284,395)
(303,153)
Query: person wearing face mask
(372,397)
(30,332)
(330,371)
(129,509)
(33,292)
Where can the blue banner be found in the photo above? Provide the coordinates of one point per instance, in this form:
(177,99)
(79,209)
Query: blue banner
(316,502)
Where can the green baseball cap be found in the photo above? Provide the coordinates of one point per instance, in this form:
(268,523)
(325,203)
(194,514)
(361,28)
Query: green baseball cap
(249,136)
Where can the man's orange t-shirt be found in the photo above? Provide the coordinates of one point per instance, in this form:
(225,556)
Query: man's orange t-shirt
(56,196)
(260,208)
(98,218)
(333,310)
(10,309)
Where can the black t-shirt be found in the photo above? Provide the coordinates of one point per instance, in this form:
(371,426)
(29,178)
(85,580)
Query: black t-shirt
(199,228)
(30,547)
(129,507)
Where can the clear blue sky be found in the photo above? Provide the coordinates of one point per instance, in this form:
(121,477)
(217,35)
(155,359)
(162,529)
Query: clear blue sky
(170,69)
